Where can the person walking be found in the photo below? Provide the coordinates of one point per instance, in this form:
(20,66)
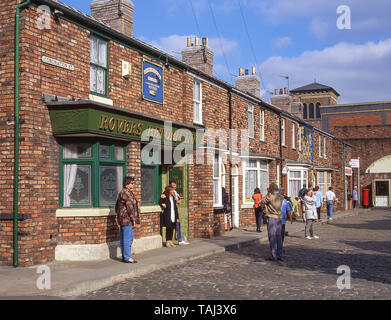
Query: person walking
(227,209)
(128,214)
(257,197)
(319,201)
(273,202)
(355,197)
(286,213)
(302,193)
(330,198)
(170,214)
(177,197)
(310,214)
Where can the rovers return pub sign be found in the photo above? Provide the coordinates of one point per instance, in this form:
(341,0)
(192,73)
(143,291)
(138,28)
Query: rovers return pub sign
(152,80)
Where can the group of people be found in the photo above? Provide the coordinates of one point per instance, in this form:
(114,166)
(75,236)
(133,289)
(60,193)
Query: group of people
(276,208)
(128,216)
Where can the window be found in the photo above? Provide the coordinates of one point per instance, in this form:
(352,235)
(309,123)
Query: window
(304,111)
(250,121)
(262,124)
(299,138)
(311,111)
(324,181)
(197,101)
(150,177)
(320,146)
(217,180)
(283,132)
(324,147)
(293,135)
(98,66)
(297,177)
(256,174)
(92,174)
(318,110)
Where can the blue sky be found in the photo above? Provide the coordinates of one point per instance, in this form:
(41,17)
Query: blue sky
(297,38)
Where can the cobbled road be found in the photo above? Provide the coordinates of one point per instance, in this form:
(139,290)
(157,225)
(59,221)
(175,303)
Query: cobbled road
(309,271)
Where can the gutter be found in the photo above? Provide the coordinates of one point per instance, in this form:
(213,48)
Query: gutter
(16,128)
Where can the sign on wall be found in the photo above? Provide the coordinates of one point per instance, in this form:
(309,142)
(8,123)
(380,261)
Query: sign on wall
(152,82)
(58,63)
(348,171)
(355,163)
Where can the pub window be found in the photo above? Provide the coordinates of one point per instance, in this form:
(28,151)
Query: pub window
(150,177)
(92,174)
(197,101)
(311,111)
(98,66)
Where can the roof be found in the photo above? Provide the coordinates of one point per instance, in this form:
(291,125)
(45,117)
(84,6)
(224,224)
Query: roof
(314,87)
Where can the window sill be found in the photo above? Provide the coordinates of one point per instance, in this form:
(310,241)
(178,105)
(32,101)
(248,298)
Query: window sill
(262,141)
(283,145)
(89,212)
(247,206)
(150,209)
(100,99)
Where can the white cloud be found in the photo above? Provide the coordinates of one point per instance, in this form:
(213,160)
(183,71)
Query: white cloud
(282,42)
(359,73)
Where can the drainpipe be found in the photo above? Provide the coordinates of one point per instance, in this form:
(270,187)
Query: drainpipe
(230,152)
(344,177)
(16,134)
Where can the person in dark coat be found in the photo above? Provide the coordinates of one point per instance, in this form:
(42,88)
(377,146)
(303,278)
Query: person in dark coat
(170,214)
(227,209)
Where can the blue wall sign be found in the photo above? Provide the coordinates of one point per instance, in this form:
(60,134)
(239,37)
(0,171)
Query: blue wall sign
(152,82)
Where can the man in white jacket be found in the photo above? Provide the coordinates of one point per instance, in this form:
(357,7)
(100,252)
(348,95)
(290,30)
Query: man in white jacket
(310,214)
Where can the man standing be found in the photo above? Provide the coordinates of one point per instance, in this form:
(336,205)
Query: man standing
(286,212)
(330,198)
(128,214)
(355,197)
(319,201)
(302,193)
(273,202)
(181,241)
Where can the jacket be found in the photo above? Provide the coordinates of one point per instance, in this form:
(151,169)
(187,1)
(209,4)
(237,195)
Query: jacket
(273,203)
(257,199)
(310,207)
(127,208)
(166,216)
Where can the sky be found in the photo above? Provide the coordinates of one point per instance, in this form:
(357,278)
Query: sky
(301,39)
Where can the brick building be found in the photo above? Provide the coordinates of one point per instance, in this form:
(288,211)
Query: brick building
(81,103)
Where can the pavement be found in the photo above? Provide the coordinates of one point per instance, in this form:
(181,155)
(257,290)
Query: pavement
(70,279)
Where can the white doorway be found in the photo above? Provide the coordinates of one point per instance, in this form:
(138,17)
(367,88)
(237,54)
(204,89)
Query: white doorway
(235,197)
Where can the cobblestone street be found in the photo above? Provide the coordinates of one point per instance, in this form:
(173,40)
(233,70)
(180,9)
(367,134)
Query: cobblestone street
(361,242)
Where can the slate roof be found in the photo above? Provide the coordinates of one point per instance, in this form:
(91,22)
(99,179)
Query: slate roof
(314,87)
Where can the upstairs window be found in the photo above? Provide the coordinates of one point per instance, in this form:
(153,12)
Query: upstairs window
(311,111)
(304,111)
(324,148)
(262,125)
(318,110)
(250,121)
(197,101)
(283,132)
(293,135)
(98,66)
(320,146)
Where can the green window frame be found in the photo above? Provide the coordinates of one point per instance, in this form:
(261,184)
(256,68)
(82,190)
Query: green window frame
(98,65)
(96,162)
(157,184)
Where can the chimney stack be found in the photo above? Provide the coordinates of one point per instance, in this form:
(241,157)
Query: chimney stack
(117,14)
(250,83)
(199,56)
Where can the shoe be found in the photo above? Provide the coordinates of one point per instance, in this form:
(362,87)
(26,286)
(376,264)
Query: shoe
(308,237)
(316,237)
(281,259)
(169,245)
(270,259)
(129,261)
(331,218)
(183,242)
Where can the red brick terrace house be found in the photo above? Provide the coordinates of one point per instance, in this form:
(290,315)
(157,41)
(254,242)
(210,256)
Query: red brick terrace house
(81,101)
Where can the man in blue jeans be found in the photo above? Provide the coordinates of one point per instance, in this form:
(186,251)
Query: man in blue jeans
(330,197)
(128,214)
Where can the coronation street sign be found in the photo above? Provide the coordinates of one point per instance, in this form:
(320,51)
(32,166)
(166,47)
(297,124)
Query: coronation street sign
(58,63)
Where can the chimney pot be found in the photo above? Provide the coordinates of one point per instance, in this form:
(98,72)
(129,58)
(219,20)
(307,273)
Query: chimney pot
(253,70)
(205,42)
(281,91)
(285,90)
(246,72)
(275,92)
(189,41)
(241,71)
(197,41)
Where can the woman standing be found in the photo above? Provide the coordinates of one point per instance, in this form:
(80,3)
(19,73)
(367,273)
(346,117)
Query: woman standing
(170,214)
(319,200)
(257,197)
(310,214)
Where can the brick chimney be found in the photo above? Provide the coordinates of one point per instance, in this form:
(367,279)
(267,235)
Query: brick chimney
(118,14)
(282,99)
(250,83)
(199,56)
